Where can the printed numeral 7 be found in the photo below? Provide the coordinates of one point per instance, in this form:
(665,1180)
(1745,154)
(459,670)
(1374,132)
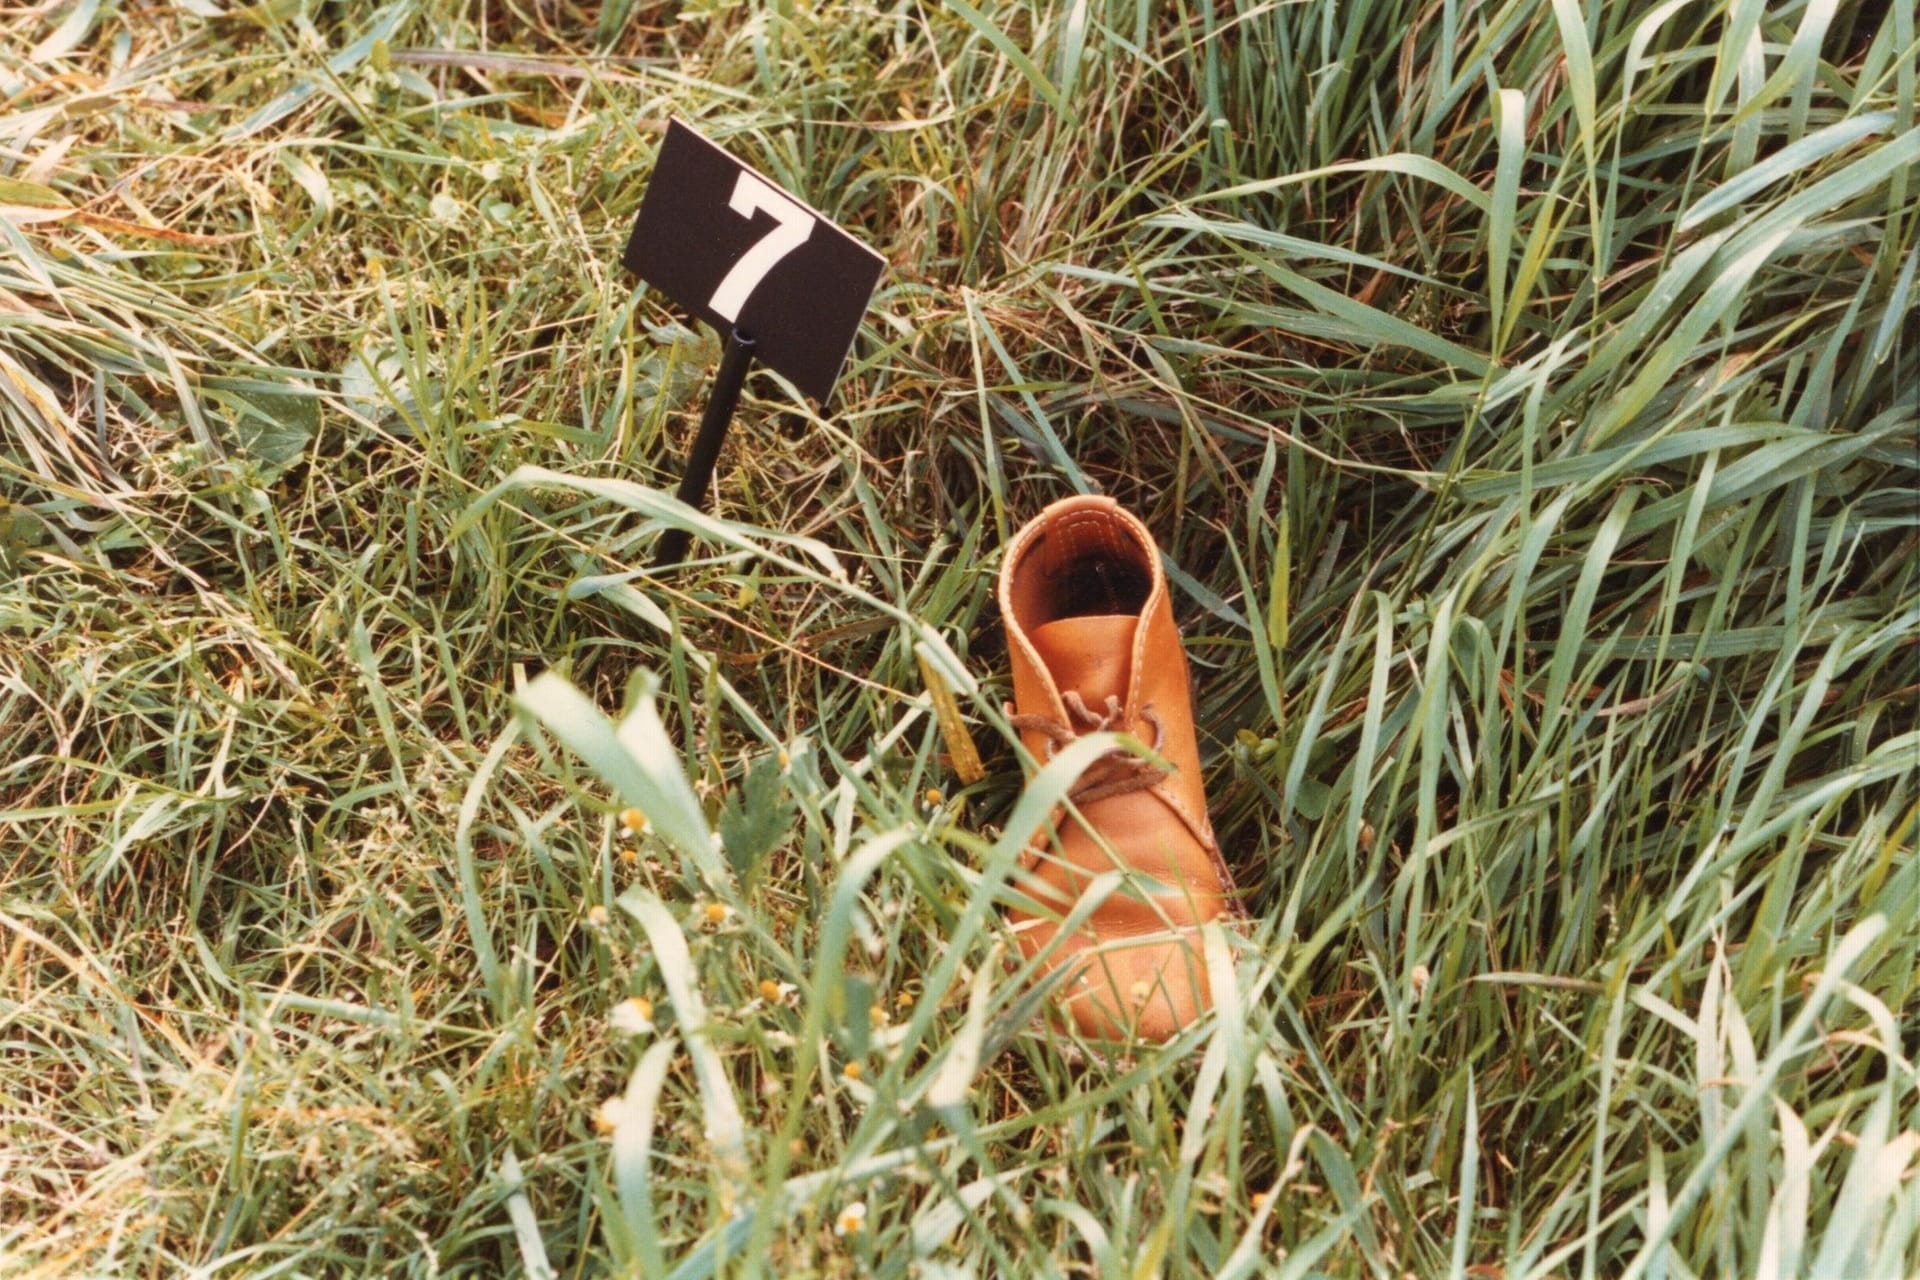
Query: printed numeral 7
(792,225)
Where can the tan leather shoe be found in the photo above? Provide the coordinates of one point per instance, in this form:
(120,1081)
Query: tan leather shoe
(1092,640)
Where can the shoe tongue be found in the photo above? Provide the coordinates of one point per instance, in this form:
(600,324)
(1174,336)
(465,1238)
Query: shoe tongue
(1090,656)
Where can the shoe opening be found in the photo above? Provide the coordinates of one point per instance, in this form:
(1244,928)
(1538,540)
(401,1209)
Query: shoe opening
(1100,585)
(1087,563)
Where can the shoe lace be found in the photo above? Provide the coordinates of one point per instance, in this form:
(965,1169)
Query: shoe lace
(1115,772)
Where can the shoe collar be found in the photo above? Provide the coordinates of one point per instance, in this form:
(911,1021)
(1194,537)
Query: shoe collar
(1084,516)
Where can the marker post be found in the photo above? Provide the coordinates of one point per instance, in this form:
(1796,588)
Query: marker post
(735,359)
(749,259)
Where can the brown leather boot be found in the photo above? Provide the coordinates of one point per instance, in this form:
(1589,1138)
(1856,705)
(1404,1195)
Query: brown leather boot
(1093,644)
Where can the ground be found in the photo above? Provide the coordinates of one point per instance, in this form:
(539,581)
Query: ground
(1524,396)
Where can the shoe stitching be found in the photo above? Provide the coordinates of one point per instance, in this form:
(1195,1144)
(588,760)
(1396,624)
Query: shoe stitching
(1072,531)
(1105,527)
(1202,832)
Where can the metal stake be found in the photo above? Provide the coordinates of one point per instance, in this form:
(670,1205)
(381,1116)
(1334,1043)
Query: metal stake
(694,481)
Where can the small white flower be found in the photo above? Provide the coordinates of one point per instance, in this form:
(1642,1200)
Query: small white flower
(851,1219)
(632,1016)
(611,1114)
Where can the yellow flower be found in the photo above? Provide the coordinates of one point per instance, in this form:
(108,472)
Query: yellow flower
(633,1016)
(878,1015)
(633,823)
(774,993)
(851,1219)
(853,1071)
(608,1116)
(716,914)
(934,797)
(597,916)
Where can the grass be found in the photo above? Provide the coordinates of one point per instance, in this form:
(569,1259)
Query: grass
(1525,396)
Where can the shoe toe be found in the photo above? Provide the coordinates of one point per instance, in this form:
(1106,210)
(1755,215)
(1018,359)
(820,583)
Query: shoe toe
(1151,989)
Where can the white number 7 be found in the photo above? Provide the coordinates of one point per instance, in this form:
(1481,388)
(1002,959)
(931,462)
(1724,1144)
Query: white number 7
(793,225)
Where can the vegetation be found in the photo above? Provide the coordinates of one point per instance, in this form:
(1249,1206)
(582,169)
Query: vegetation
(1525,397)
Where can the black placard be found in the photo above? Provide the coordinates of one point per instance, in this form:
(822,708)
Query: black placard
(737,251)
